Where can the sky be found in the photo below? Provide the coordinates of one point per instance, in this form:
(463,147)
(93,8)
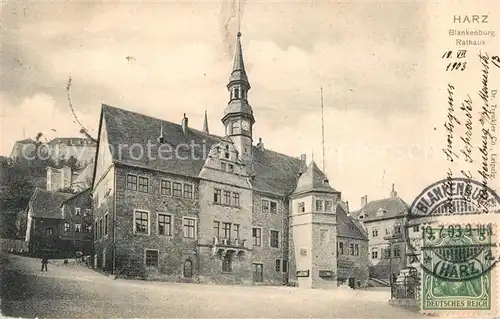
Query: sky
(168,58)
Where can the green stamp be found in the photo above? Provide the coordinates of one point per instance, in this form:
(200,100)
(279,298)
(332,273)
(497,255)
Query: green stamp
(458,259)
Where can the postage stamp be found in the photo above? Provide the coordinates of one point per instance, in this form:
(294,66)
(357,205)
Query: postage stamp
(452,239)
(460,259)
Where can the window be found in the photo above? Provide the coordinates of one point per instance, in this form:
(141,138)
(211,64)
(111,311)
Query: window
(351,248)
(166,188)
(274,207)
(415,228)
(237,93)
(226,155)
(88,228)
(217,196)
(177,189)
(106,224)
(397,229)
(223,166)
(302,207)
(226,263)
(236,231)
(227,198)
(96,233)
(374,232)
(397,251)
(78,228)
(257,236)
(230,167)
(188,269)
(374,253)
(151,258)
(141,221)
(328,206)
(274,240)
(100,228)
(189,227)
(188,191)
(265,206)
(387,253)
(227,230)
(216,229)
(77,211)
(164,225)
(319,205)
(143,184)
(87,212)
(66,227)
(49,231)
(278,265)
(236,199)
(341,248)
(387,231)
(235,127)
(356,250)
(285,265)
(131,182)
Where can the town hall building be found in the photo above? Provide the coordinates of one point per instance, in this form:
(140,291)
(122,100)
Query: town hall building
(227,211)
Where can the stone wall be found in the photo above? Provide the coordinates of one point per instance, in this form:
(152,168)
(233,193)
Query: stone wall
(266,255)
(173,250)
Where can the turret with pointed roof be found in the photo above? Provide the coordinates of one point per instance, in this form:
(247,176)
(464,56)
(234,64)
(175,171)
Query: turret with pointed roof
(314,180)
(205,124)
(238,116)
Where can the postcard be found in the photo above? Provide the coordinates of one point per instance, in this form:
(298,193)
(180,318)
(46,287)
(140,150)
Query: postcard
(249,159)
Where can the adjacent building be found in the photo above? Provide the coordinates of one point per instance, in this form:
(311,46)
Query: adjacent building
(22,149)
(68,178)
(200,207)
(384,222)
(59,223)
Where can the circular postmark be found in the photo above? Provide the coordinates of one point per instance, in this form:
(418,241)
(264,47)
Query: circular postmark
(452,252)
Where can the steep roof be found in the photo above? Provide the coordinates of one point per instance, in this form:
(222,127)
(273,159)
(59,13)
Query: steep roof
(313,179)
(272,172)
(26,141)
(46,204)
(73,196)
(383,209)
(238,73)
(348,227)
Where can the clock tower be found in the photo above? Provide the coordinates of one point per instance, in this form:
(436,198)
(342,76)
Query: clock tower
(238,117)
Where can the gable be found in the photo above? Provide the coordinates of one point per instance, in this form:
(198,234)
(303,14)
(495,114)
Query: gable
(346,227)
(104,155)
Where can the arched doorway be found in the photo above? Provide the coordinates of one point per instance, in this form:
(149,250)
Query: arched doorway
(188,268)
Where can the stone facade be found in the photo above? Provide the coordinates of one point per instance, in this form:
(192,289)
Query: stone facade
(229,217)
(273,261)
(352,261)
(76,231)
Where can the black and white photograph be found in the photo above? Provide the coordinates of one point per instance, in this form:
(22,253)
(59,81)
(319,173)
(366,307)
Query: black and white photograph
(249,159)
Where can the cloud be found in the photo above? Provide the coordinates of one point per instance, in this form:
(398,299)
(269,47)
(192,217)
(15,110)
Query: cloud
(367,56)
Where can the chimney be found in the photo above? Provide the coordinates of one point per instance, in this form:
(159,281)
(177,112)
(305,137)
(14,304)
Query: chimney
(260,145)
(364,200)
(393,192)
(185,124)
(161,138)
(303,163)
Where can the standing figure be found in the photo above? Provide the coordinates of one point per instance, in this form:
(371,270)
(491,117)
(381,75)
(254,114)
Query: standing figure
(45,261)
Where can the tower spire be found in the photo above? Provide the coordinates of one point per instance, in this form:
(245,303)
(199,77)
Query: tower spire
(205,123)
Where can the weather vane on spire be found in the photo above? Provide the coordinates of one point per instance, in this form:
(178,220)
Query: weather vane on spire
(239,17)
